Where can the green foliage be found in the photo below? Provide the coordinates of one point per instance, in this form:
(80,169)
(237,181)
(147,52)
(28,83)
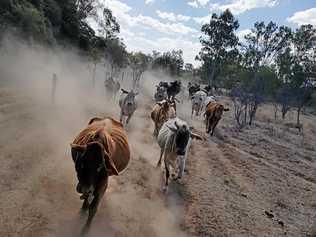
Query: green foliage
(218,45)
(53,12)
(170,62)
(109,26)
(139,62)
(53,21)
(264,43)
(64,21)
(31,20)
(116,53)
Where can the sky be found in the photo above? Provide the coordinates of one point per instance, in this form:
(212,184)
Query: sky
(164,25)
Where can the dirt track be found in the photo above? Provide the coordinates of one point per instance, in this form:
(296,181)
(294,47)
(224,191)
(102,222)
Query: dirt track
(232,180)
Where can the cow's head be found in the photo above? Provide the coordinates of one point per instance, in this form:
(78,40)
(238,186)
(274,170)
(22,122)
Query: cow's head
(130,97)
(92,165)
(173,102)
(182,135)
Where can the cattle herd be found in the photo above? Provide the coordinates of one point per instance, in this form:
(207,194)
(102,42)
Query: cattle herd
(101,149)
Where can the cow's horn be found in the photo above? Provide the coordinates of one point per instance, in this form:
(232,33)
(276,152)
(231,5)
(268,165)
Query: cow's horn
(176,124)
(196,136)
(172,129)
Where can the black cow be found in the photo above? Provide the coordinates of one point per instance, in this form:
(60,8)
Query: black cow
(173,88)
(193,88)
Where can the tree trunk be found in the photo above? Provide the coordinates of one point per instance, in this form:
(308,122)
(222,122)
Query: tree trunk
(275,111)
(93,75)
(245,117)
(252,113)
(283,113)
(298,117)
(211,82)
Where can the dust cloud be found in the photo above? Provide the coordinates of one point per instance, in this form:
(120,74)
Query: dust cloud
(37,168)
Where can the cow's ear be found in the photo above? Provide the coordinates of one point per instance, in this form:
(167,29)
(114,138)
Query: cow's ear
(78,148)
(226,109)
(124,91)
(176,124)
(95,119)
(175,99)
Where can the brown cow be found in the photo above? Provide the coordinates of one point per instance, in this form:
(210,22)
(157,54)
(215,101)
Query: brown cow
(99,151)
(213,113)
(161,112)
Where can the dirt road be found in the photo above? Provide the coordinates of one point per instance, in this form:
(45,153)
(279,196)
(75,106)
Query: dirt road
(258,182)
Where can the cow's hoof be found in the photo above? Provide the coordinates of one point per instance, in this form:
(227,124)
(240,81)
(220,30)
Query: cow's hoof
(84,230)
(165,189)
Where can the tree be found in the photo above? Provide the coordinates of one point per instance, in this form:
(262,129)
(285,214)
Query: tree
(296,68)
(138,62)
(116,54)
(188,67)
(108,25)
(218,44)
(87,8)
(170,62)
(261,48)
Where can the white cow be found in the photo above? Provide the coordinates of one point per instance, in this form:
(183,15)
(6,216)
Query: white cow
(174,139)
(128,105)
(198,100)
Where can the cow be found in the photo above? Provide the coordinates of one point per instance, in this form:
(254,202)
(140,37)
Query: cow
(174,139)
(198,102)
(208,100)
(173,88)
(99,151)
(164,84)
(193,88)
(213,113)
(161,112)
(127,104)
(208,89)
(111,87)
(161,93)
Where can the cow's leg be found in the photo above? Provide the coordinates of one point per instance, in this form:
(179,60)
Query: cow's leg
(159,162)
(121,116)
(128,118)
(85,206)
(165,188)
(183,160)
(192,111)
(207,121)
(214,125)
(94,205)
(155,131)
